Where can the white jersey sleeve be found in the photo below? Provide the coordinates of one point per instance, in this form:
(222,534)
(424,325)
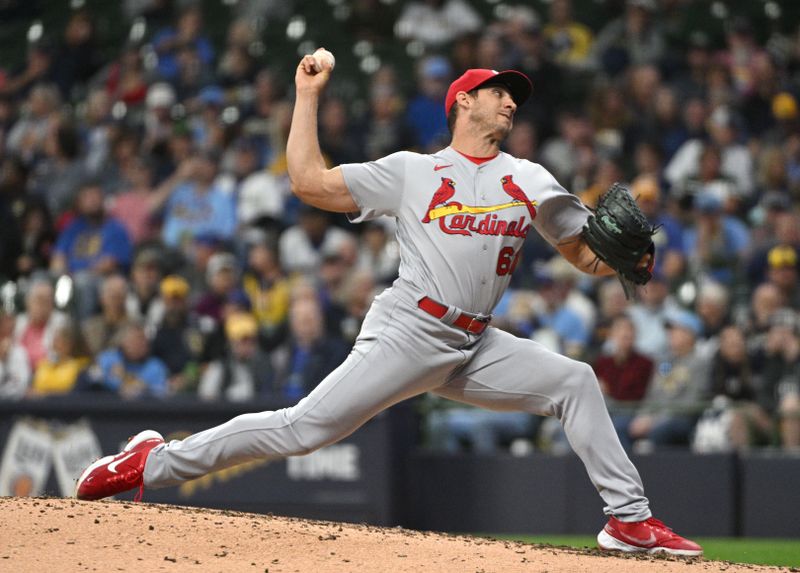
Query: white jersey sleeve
(561,214)
(376,186)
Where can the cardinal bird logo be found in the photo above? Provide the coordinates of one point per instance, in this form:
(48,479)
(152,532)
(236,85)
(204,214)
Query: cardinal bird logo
(515,192)
(442,195)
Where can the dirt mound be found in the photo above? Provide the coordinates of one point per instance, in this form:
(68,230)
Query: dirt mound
(68,535)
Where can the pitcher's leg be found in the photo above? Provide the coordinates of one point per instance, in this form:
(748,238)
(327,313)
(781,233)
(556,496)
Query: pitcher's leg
(509,373)
(379,372)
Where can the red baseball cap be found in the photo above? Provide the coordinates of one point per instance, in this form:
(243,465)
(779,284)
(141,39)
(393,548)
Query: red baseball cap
(517,83)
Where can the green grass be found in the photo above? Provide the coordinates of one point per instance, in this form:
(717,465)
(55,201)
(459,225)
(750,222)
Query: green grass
(784,552)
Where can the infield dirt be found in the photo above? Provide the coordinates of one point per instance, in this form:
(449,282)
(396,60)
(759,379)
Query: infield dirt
(64,535)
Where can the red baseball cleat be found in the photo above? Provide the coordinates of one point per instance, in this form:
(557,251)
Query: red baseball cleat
(650,536)
(115,474)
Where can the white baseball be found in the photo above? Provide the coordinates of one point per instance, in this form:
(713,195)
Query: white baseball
(322,56)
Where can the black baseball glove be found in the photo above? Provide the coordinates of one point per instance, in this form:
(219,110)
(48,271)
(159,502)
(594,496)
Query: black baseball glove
(620,235)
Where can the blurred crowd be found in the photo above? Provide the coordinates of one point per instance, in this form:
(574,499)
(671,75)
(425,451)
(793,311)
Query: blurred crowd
(150,245)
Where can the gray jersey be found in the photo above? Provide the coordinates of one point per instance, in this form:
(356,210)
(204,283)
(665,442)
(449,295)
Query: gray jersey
(461,226)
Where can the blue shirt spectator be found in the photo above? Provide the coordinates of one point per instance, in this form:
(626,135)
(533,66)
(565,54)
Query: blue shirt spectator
(84,243)
(191,211)
(131,371)
(92,241)
(195,204)
(425,113)
(186,35)
(567,324)
(718,242)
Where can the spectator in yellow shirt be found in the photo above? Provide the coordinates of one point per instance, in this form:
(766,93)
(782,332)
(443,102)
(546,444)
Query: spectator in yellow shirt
(58,373)
(569,42)
(268,290)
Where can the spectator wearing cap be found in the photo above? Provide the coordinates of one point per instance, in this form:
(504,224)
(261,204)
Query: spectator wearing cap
(676,395)
(142,302)
(204,123)
(303,246)
(222,275)
(195,204)
(269,292)
(718,243)
(158,122)
(553,321)
(91,247)
(192,265)
(424,111)
(779,393)
(216,342)
(308,355)
(765,219)
(782,273)
(436,22)
(179,340)
(785,113)
(648,313)
(245,371)
(261,196)
(130,370)
(781,227)
(670,249)
(102,330)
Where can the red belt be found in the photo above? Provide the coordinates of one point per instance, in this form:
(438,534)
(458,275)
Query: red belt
(473,323)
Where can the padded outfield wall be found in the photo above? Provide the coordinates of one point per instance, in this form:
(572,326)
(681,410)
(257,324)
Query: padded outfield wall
(377,476)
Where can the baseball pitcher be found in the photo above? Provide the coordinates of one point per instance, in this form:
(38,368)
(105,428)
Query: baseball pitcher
(462,216)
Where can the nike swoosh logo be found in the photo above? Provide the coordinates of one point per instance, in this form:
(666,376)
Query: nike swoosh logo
(112,467)
(649,542)
(438,167)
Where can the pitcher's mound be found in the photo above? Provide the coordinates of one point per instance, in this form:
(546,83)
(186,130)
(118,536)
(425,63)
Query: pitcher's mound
(68,536)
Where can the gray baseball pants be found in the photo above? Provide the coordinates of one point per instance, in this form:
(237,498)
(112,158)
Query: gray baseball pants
(402,352)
